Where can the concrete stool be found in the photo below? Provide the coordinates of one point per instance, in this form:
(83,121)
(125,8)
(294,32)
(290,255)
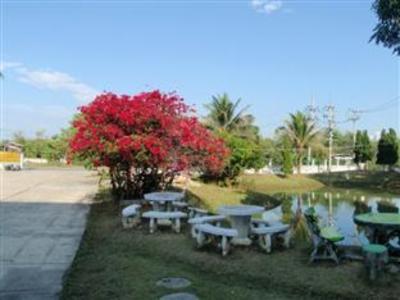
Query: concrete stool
(375,258)
(205,232)
(195,212)
(156,216)
(131,216)
(212,219)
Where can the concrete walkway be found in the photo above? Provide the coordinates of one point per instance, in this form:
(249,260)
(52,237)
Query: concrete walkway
(42,218)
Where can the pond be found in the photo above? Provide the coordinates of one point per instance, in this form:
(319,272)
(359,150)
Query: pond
(336,207)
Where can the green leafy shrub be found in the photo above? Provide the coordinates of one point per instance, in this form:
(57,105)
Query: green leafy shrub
(244,154)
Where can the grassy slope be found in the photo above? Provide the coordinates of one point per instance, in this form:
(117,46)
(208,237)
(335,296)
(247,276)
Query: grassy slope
(211,196)
(272,184)
(113,263)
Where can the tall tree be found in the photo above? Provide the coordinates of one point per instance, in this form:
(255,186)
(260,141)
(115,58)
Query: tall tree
(387,31)
(343,142)
(363,148)
(388,148)
(301,131)
(287,158)
(224,114)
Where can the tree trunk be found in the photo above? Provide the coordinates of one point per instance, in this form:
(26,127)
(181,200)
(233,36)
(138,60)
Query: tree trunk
(299,161)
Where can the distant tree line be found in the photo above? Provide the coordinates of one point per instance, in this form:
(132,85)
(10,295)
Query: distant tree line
(299,141)
(53,148)
(296,143)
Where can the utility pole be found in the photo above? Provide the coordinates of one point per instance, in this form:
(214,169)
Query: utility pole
(330,117)
(353,118)
(311,110)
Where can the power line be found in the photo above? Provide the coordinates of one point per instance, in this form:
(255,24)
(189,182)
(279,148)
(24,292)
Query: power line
(355,114)
(381,107)
(353,118)
(312,112)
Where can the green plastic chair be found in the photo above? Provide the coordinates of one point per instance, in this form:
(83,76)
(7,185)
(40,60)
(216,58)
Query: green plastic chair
(376,256)
(324,239)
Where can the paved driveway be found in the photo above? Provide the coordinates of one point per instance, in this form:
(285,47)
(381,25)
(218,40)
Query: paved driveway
(42,218)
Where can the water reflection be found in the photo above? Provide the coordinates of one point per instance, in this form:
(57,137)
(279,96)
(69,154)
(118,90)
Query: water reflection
(335,207)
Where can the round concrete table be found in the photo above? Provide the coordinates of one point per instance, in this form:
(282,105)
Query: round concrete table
(240,217)
(382,225)
(167,198)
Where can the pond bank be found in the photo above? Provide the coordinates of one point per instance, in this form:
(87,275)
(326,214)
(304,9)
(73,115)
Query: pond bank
(211,195)
(373,181)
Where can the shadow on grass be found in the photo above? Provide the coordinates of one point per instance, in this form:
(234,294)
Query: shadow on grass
(250,198)
(113,263)
(261,199)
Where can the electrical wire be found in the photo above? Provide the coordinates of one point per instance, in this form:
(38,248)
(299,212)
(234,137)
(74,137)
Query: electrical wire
(384,106)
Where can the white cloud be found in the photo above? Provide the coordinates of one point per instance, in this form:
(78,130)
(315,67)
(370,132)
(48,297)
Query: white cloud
(8,65)
(57,81)
(266,6)
(52,80)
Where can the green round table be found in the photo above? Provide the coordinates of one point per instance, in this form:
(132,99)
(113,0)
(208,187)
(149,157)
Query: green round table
(381,224)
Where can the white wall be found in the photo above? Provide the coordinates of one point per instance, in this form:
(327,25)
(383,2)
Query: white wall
(36,160)
(315,169)
(324,169)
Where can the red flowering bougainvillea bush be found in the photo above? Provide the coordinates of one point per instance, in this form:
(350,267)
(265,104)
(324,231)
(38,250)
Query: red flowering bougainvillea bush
(144,140)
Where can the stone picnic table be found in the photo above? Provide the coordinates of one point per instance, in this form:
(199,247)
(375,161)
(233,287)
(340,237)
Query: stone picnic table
(381,225)
(158,199)
(240,218)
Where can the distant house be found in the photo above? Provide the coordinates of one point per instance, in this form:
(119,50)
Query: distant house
(12,156)
(13,147)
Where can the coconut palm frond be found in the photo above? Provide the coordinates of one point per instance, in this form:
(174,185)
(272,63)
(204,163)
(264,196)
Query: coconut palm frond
(224,114)
(301,131)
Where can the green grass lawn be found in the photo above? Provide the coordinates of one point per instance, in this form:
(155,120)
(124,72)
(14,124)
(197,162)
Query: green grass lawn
(113,263)
(271,184)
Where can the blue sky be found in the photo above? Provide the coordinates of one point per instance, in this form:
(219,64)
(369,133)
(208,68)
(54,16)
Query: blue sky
(275,55)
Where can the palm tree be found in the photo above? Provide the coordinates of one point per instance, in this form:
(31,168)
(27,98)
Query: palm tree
(224,115)
(301,131)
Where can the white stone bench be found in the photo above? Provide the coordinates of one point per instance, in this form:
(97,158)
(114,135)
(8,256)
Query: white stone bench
(216,219)
(207,232)
(155,216)
(130,216)
(195,212)
(265,232)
